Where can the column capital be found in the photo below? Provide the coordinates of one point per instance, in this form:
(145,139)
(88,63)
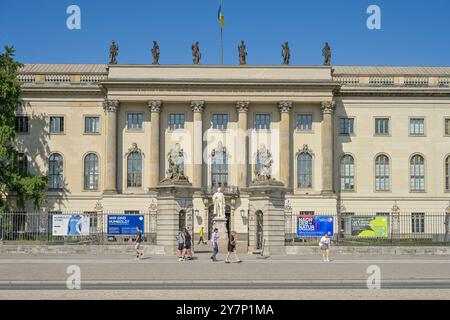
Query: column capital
(328,107)
(110,105)
(155,105)
(198,106)
(285,106)
(242,106)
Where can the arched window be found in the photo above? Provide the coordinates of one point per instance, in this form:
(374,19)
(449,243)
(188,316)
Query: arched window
(134,169)
(304,170)
(417,172)
(382,173)
(347,173)
(56,171)
(91,172)
(447,173)
(219,167)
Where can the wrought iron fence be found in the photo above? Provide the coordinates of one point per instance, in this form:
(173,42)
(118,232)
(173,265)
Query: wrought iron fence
(371,229)
(39,228)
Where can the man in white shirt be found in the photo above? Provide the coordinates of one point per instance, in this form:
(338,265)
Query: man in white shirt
(324,245)
(215,247)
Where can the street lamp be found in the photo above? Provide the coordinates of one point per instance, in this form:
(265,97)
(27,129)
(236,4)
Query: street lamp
(196,212)
(242,212)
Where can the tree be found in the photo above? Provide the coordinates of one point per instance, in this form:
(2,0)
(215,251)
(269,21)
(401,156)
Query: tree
(14,184)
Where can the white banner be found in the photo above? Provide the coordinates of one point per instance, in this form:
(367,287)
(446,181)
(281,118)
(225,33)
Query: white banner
(70,225)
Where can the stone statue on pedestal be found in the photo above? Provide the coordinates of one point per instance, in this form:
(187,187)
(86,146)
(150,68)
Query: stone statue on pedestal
(196,53)
(219,204)
(113,53)
(286,53)
(175,172)
(265,161)
(242,53)
(155,52)
(326,52)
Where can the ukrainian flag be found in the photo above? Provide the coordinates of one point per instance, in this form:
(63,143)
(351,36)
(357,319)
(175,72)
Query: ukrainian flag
(220,16)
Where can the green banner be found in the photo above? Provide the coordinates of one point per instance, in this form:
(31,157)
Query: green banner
(367,227)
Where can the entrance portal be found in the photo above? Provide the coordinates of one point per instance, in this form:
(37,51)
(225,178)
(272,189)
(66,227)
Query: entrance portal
(259,230)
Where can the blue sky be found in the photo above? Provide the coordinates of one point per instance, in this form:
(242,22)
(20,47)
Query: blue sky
(414,32)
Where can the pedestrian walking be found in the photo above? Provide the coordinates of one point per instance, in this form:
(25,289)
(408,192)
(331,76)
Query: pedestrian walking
(202,234)
(214,244)
(232,247)
(188,244)
(324,245)
(181,248)
(137,244)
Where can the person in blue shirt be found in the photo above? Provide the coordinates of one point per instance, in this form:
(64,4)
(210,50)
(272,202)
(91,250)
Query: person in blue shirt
(214,245)
(74,227)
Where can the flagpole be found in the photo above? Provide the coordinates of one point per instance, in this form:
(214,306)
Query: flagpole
(221,36)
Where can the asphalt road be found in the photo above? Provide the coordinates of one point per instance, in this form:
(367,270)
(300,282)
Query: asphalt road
(24,276)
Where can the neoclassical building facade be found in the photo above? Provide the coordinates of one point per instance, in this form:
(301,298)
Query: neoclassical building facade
(353,139)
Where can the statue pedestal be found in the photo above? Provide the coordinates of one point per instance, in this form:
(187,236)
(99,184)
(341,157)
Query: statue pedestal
(266,216)
(173,197)
(221,224)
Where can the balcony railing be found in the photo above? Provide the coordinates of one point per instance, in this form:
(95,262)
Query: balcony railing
(227,190)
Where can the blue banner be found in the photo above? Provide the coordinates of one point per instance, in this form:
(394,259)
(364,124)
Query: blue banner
(124,224)
(314,226)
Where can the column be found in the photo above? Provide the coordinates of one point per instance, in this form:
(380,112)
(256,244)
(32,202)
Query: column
(285,152)
(110,107)
(197,155)
(242,143)
(327,108)
(155,109)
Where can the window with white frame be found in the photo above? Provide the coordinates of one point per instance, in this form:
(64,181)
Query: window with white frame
(382,173)
(177,121)
(262,121)
(56,171)
(91,171)
(304,122)
(447,174)
(346,126)
(381,126)
(135,121)
(347,173)
(92,124)
(56,124)
(304,170)
(418,222)
(220,121)
(417,172)
(134,170)
(417,126)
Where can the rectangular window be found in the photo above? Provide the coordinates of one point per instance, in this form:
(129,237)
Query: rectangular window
(21,124)
(220,121)
(131,211)
(418,222)
(56,124)
(417,126)
(176,121)
(381,126)
(134,121)
(346,126)
(23,163)
(93,221)
(262,122)
(306,213)
(91,125)
(447,127)
(304,122)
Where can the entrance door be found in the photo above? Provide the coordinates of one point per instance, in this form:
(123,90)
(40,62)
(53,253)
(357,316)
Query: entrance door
(259,230)
(210,220)
(182,220)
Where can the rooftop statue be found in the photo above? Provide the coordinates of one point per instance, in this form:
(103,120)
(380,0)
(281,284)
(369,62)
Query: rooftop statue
(196,53)
(155,52)
(242,53)
(286,53)
(326,52)
(113,53)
